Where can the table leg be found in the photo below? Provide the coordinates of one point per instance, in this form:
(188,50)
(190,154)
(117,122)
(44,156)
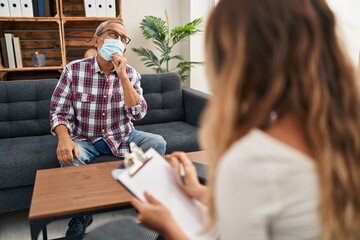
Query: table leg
(36,226)
(44,231)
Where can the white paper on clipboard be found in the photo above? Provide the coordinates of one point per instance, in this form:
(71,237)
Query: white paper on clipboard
(158,178)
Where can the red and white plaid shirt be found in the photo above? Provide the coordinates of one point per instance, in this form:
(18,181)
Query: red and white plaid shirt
(92,107)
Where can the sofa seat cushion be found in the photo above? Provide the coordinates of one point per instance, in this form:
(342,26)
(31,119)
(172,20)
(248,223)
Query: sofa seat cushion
(180,136)
(21,157)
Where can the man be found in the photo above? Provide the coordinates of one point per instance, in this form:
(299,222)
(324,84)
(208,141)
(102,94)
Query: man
(93,106)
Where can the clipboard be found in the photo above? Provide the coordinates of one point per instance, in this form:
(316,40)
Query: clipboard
(156,176)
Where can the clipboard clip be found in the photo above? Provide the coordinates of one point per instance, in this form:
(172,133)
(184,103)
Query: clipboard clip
(136,159)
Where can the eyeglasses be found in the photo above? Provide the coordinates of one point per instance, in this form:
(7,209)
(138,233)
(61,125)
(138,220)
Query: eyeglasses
(115,35)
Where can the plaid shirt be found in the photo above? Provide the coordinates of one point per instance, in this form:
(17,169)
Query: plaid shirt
(92,107)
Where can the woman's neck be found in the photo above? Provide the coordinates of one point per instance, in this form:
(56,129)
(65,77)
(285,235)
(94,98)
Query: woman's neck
(289,129)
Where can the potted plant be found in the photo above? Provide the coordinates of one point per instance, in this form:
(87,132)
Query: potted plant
(164,38)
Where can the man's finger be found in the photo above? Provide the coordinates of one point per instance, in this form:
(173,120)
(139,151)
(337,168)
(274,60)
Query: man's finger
(69,156)
(76,151)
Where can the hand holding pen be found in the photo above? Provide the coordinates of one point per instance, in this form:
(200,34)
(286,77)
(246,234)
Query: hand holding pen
(189,182)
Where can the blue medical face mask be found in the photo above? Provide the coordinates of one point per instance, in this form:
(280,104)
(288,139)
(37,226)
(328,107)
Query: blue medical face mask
(111,46)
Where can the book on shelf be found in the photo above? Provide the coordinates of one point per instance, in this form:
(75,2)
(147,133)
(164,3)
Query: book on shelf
(110,8)
(10,49)
(100,8)
(52,8)
(41,8)
(90,6)
(17,51)
(4,8)
(35,8)
(47,8)
(5,60)
(27,8)
(15,8)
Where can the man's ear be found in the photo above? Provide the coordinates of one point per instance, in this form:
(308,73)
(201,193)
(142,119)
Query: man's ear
(95,40)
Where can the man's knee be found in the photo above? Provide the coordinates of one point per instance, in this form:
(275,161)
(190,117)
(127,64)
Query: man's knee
(159,144)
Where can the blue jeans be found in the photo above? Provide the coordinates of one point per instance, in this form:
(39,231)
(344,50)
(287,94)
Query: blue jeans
(89,151)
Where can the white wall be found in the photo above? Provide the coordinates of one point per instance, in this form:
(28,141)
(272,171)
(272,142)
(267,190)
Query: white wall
(348,19)
(198,80)
(134,11)
(180,12)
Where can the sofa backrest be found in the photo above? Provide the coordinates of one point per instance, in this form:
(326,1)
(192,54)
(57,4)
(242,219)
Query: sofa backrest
(163,95)
(25,104)
(24,107)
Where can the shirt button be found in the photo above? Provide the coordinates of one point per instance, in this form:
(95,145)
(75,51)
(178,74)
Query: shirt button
(103,114)
(104,96)
(103,130)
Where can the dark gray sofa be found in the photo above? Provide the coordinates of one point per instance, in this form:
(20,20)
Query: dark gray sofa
(26,144)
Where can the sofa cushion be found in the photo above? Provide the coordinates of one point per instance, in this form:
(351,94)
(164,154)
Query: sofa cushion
(179,136)
(163,95)
(23,156)
(24,108)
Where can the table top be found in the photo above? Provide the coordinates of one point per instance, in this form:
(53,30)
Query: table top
(65,191)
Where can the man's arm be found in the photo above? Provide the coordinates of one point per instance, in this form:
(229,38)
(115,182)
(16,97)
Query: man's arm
(61,115)
(131,97)
(135,104)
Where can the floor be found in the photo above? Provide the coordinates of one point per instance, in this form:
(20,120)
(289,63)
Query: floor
(15,225)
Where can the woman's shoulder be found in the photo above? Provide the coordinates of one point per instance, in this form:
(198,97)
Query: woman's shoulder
(259,150)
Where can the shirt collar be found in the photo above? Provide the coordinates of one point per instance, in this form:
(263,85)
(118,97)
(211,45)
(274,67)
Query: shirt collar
(96,68)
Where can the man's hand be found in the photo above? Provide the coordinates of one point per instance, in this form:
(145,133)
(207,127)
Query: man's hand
(66,150)
(131,97)
(119,62)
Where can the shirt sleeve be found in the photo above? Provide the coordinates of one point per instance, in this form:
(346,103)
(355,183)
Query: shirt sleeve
(139,110)
(61,109)
(246,197)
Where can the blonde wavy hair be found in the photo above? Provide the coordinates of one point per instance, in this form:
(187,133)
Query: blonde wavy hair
(284,55)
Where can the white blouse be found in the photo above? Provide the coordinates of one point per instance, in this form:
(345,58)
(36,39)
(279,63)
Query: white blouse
(266,189)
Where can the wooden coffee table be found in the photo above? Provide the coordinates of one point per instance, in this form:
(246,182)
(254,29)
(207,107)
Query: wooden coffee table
(74,191)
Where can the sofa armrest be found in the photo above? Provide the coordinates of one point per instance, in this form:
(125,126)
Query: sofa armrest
(194,104)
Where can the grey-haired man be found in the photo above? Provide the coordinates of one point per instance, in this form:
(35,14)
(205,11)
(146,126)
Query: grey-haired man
(93,106)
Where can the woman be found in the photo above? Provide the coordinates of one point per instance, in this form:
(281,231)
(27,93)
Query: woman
(283,124)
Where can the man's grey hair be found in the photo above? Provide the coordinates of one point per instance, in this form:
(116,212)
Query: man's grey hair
(101,26)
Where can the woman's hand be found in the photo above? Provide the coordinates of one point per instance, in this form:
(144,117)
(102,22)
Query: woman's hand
(191,184)
(157,217)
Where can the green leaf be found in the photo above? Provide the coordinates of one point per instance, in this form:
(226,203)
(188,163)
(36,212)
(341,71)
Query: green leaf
(154,28)
(177,57)
(158,31)
(184,68)
(182,32)
(162,47)
(148,57)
